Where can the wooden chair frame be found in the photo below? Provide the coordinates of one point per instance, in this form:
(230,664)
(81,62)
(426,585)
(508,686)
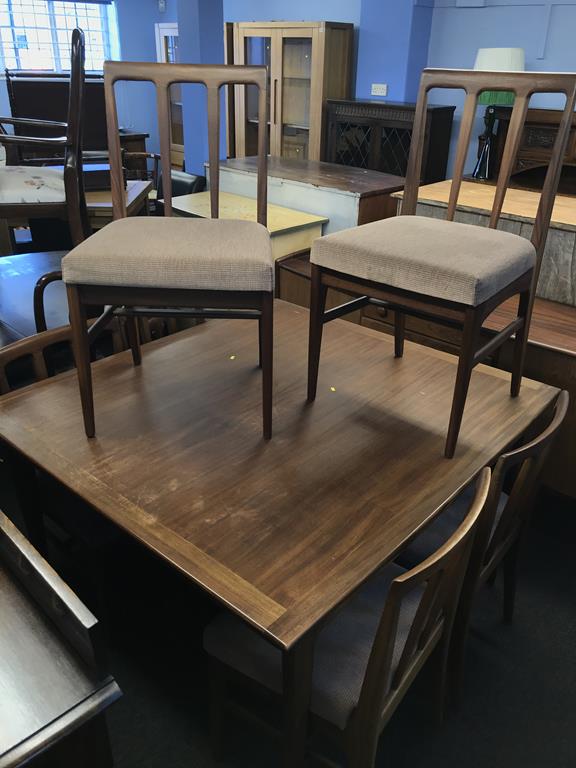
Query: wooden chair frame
(469,318)
(136,302)
(440,578)
(73,209)
(498,547)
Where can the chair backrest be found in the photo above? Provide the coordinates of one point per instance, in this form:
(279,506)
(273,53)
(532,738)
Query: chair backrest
(74,131)
(35,349)
(525,463)
(523,85)
(438,581)
(163,76)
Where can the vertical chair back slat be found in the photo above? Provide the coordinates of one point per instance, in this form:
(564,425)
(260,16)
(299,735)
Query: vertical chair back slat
(462,151)
(163,76)
(523,85)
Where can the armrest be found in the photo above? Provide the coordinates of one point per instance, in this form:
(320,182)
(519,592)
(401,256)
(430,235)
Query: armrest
(22,141)
(30,121)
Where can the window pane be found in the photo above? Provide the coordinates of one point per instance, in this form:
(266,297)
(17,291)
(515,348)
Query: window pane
(35,34)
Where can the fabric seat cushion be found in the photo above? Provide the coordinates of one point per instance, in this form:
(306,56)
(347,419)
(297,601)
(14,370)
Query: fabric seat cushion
(447,260)
(186,253)
(30,184)
(341,652)
(445,524)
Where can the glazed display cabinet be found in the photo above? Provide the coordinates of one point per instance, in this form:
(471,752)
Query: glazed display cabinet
(308,62)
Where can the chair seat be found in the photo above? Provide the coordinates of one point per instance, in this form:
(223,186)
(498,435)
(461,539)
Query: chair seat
(185,253)
(22,185)
(458,262)
(341,652)
(439,531)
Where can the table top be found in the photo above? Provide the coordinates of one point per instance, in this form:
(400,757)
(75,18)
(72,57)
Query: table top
(280,531)
(519,204)
(100,202)
(356,181)
(280,220)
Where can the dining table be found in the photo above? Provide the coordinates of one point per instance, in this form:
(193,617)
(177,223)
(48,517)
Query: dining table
(280,532)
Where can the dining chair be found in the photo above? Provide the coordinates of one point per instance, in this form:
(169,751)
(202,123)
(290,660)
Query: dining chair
(499,532)
(442,270)
(367,654)
(174,265)
(29,191)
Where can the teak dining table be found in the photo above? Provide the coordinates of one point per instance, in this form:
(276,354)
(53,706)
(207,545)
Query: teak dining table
(279,531)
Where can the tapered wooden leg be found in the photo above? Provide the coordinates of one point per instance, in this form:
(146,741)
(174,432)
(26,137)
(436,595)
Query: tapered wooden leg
(134,339)
(267,353)
(399,332)
(82,356)
(297,674)
(520,344)
(317,306)
(260,343)
(509,571)
(472,326)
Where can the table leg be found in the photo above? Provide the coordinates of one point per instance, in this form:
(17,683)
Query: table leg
(297,674)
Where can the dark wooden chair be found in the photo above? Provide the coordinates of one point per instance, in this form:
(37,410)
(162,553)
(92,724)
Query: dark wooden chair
(499,532)
(453,273)
(53,677)
(368,653)
(176,266)
(32,191)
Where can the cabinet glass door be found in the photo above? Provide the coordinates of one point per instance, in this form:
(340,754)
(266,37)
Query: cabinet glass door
(167,52)
(296,89)
(257,51)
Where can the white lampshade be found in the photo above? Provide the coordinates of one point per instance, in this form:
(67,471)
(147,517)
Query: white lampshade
(500,60)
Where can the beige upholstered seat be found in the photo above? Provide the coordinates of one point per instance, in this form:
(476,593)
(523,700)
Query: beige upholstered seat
(457,262)
(186,253)
(23,185)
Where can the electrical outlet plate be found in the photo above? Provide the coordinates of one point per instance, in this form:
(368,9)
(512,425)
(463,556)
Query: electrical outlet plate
(379,89)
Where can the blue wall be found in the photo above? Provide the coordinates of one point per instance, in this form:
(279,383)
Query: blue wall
(292,10)
(545,30)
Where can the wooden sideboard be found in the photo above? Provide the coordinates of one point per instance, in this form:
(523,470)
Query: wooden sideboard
(377,134)
(535,148)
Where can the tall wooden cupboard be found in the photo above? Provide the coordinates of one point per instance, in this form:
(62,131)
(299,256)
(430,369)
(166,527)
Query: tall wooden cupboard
(308,62)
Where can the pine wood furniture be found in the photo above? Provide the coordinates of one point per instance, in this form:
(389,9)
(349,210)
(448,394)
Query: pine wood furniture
(535,148)
(519,212)
(376,135)
(510,502)
(214,268)
(290,230)
(509,268)
(307,517)
(53,680)
(369,652)
(345,196)
(50,193)
(308,62)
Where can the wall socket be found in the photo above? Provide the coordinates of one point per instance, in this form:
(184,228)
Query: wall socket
(379,89)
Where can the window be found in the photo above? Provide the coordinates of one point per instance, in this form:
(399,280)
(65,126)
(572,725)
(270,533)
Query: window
(35,34)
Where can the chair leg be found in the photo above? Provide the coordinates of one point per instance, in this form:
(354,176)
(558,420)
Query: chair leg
(260,342)
(520,344)
(134,339)
(472,326)
(266,322)
(399,333)
(317,306)
(509,567)
(81,348)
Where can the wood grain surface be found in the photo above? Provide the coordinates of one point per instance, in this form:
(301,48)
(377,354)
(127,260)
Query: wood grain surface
(280,531)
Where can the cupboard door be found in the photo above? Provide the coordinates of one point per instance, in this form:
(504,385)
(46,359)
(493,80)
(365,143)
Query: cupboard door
(293,92)
(253,47)
(167,52)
